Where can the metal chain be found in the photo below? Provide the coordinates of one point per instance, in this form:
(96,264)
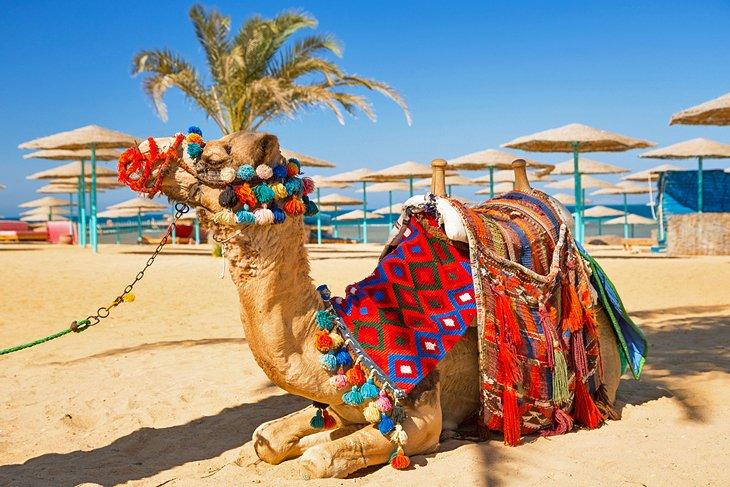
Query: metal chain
(103,312)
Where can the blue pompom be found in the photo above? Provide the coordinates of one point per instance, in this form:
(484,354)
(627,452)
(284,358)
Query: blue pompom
(369,390)
(245,172)
(328,362)
(317,421)
(279,171)
(343,357)
(310,208)
(263,193)
(194,129)
(353,398)
(324,320)
(245,217)
(293,186)
(386,424)
(279,215)
(194,150)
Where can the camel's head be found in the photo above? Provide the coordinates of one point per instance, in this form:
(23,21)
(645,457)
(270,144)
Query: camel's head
(240,180)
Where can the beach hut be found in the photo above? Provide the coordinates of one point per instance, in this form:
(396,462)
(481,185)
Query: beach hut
(713,112)
(698,148)
(356,176)
(492,160)
(140,205)
(389,187)
(631,219)
(321,182)
(306,160)
(356,215)
(577,138)
(599,213)
(92,138)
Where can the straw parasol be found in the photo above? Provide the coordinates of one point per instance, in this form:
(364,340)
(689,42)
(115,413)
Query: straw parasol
(45,209)
(321,182)
(139,206)
(565,198)
(306,160)
(508,177)
(587,166)
(451,181)
(408,170)
(357,176)
(390,209)
(73,154)
(651,174)
(577,138)
(713,112)
(40,217)
(357,215)
(625,188)
(699,148)
(336,199)
(492,160)
(47,201)
(631,219)
(71,170)
(499,188)
(587,182)
(389,187)
(599,212)
(91,137)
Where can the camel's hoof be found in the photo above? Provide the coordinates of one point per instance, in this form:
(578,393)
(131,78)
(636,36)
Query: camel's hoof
(267,452)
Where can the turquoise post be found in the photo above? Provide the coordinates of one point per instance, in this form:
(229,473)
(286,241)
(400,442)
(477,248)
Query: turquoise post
(335,231)
(410,186)
(79,184)
(319,220)
(491,182)
(578,196)
(448,190)
(699,185)
(390,210)
(82,205)
(365,212)
(196,226)
(139,226)
(600,230)
(626,217)
(93,235)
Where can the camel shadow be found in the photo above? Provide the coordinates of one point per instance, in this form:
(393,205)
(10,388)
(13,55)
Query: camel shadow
(148,451)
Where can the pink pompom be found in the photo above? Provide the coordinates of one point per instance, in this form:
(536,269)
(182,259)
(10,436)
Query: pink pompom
(264,216)
(264,172)
(308,185)
(383,403)
(339,380)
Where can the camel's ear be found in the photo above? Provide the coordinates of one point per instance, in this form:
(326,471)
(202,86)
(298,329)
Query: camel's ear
(253,148)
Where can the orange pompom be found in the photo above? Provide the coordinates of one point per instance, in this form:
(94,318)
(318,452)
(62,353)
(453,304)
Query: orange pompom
(291,169)
(246,195)
(323,341)
(193,138)
(294,206)
(399,460)
(355,375)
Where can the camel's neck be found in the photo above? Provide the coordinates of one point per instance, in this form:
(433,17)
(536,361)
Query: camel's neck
(269,266)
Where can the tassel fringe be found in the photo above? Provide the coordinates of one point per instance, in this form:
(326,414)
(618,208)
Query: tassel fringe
(584,409)
(511,423)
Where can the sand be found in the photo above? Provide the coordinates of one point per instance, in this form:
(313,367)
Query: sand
(166,391)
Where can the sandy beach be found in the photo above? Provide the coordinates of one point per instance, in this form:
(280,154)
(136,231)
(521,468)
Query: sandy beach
(166,392)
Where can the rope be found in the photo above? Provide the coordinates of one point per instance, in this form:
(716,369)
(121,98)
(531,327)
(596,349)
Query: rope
(45,339)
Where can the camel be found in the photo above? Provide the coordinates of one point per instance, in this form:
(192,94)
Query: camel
(278,302)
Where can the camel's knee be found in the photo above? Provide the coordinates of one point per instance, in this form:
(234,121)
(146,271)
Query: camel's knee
(268,446)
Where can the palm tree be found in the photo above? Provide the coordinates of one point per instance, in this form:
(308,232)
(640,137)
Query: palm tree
(260,74)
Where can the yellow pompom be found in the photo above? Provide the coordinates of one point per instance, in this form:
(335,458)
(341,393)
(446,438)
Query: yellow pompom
(279,190)
(371,413)
(337,340)
(128,297)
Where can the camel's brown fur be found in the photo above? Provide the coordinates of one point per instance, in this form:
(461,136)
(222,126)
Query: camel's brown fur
(278,300)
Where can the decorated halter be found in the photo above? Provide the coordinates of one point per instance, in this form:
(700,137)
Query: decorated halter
(252,195)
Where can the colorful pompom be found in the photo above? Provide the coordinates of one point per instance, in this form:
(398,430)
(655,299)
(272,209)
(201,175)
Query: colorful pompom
(293,186)
(225,217)
(228,198)
(245,195)
(328,362)
(399,460)
(292,169)
(399,436)
(310,207)
(194,129)
(398,413)
(353,398)
(323,342)
(339,380)
(329,421)
(194,138)
(337,340)
(294,206)
(279,191)
(383,403)
(343,357)
(245,217)
(308,186)
(245,172)
(279,171)
(194,150)
(264,172)
(386,424)
(324,320)
(263,193)
(317,421)
(355,375)
(228,174)
(371,413)
(264,216)
(369,390)
(279,215)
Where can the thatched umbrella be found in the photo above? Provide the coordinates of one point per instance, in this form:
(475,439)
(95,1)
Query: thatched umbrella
(408,170)
(321,182)
(625,188)
(492,160)
(49,212)
(699,148)
(389,187)
(390,210)
(630,219)
(498,188)
(599,212)
(577,138)
(334,200)
(306,160)
(91,137)
(450,181)
(41,217)
(72,171)
(587,166)
(48,201)
(140,205)
(713,112)
(357,176)
(587,182)
(509,177)
(651,174)
(355,215)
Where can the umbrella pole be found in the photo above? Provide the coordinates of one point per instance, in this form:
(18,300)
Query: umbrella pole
(139,226)
(410,186)
(364,213)
(491,182)
(196,224)
(94,236)
(626,218)
(699,185)
(82,205)
(390,210)
(600,229)
(319,220)
(578,196)
(335,230)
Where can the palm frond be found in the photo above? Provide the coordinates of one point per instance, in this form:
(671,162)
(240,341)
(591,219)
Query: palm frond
(212,29)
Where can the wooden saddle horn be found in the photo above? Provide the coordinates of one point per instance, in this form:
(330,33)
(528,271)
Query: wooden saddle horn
(438,177)
(521,181)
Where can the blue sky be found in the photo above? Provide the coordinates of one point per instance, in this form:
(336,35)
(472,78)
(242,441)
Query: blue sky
(475,74)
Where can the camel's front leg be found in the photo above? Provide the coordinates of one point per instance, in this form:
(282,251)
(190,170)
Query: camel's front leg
(287,437)
(368,446)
